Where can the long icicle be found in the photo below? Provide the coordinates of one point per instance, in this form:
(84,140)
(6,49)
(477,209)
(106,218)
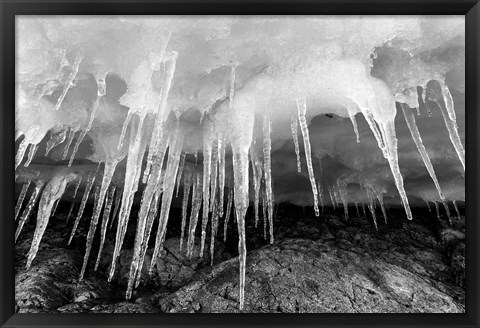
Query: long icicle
(412,126)
(207,170)
(456,208)
(267,168)
(196,204)
(180,173)
(228,213)
(22,148)
(28,209)
(294,127)
(302,109)
(52,192)
(221,172)
(108,172)
(105,219)
(31,154)
(86,193)
(187,185)
(71,136)
(21,198)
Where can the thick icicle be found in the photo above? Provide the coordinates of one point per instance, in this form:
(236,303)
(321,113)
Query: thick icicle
(456,208)
(30,205)
(106,217)
(52,192)
(302,109)
(294,127)
(187,185)
(69,82)
(108,172)
(228,213)
(354,123)
(86,193)
(56,138)
(267,168)
(21,198)
(412,126)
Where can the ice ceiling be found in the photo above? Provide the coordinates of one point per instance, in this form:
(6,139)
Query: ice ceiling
(316,111)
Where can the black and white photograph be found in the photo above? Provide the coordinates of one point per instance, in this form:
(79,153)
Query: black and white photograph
(239,164)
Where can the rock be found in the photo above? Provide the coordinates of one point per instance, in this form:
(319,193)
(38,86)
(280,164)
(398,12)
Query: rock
(298,275)
(52,281)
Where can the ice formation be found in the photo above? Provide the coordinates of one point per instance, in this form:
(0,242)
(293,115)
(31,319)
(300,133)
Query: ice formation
(207,110)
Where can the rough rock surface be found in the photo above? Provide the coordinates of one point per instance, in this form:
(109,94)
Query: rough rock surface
(298,275)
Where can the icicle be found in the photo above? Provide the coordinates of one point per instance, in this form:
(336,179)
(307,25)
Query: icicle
(351,114)
(22,148)
(180,172)
(302,109)
(196,204)
(382,205)
(412,126)
(106,217)
(52,192)
(214,230)
(221,172)
(440,94)
(30,205)
(418,111)
(267,168)
(265,217)
(55,208)
(428,205)
(294,127)
(213,180)
(108,172)
(187,184)
(207,170)
(240,170)
(168,187)
(124,129)
(447,210)
(69,82)
(363,210)
(75,191)
(331,198)
(152,215)
(88,187)
(21,198)
(372,208)
(227,215)
(55,140)
(257,180)
(343,196)
(31,154)
(132,176)
(437,209)
(71,135)
(356,207)
(456,208)
(84,132)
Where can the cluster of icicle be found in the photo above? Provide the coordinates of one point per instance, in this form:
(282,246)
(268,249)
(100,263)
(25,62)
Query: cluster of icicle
(203,188)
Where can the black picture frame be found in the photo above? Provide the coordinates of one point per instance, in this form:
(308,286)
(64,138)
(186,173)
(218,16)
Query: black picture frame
(10,8)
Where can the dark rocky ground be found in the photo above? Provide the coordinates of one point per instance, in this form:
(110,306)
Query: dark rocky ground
(324,264)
